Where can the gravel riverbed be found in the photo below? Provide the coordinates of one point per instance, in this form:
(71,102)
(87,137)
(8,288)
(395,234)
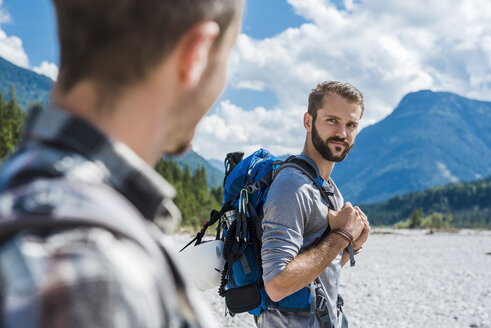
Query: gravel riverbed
(406,279)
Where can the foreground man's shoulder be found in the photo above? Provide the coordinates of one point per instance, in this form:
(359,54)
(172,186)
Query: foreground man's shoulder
(110,278)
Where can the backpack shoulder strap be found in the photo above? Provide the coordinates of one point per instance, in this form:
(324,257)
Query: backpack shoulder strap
(307,169)
(304,164)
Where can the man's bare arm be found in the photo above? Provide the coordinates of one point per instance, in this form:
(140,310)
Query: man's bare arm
(305,267)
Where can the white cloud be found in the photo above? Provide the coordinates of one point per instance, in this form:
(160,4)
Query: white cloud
(251,85)
(48,69)
(11,46)
(4,16)
(12,50)
(232,128)
(385,48)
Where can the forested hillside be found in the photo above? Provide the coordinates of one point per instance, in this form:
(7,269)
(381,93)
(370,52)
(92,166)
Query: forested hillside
(194,199)
(193,160)
(460,204)
(31,87)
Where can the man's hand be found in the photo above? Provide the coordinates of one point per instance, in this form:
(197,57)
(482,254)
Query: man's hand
(348,218)
(358,242)
(305,267)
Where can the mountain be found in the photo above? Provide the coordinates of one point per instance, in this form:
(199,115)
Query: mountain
(192,159)
(30,86)
(468,203)
(430,139)
(218,164)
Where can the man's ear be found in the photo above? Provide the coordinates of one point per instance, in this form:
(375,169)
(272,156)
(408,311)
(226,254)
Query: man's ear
(194,49)
(308,121)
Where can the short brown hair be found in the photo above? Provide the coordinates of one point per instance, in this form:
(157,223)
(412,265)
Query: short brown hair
(118,42)
(342,89)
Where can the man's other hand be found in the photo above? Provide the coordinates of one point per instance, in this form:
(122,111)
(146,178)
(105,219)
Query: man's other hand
(358,242)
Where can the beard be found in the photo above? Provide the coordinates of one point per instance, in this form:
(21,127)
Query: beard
(180,149)
(182,139)
(323,147)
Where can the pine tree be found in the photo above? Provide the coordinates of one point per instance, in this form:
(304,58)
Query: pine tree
(217,194)
(11,122)
(193,198)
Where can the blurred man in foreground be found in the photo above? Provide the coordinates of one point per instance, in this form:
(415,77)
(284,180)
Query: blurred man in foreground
(79,200)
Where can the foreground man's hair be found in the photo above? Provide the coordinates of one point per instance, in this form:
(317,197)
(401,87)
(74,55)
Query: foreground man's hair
(118,42)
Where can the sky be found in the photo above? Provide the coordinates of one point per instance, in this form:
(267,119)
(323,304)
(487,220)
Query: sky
(385,48)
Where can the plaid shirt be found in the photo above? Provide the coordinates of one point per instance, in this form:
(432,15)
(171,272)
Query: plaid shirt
(84,275)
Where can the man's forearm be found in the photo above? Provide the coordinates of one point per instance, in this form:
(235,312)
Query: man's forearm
(305,267)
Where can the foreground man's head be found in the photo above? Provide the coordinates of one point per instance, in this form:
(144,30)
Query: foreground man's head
(144,72)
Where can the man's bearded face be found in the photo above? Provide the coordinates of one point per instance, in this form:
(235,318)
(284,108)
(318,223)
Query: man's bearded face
(328,150)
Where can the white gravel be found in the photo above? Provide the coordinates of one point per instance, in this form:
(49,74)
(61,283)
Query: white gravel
(407,279)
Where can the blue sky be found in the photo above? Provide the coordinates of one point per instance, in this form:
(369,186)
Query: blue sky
(386,48)
(34,22)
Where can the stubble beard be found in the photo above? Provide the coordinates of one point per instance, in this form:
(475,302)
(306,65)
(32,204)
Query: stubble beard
(323,146)
(180,149)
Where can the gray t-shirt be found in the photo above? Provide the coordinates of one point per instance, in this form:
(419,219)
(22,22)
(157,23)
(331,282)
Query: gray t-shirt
(295,215)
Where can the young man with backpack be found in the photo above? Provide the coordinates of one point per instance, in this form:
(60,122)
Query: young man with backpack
(295,253)
(79,200)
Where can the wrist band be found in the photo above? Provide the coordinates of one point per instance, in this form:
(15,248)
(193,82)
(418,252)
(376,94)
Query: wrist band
(343,233)
(348,237)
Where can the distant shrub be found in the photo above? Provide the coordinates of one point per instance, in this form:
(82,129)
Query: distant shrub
(435,220)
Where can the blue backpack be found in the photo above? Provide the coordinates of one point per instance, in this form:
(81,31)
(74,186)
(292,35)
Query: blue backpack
(246,186)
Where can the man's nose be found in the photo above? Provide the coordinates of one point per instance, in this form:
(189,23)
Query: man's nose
(340,131)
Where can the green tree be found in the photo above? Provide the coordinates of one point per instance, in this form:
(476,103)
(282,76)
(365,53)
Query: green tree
(217,193)
(448,220)
(435,221)
(11,122)
(193,198)
(465,204)
(416,219)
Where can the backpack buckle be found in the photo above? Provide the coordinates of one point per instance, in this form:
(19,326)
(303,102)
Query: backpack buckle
(253,187)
